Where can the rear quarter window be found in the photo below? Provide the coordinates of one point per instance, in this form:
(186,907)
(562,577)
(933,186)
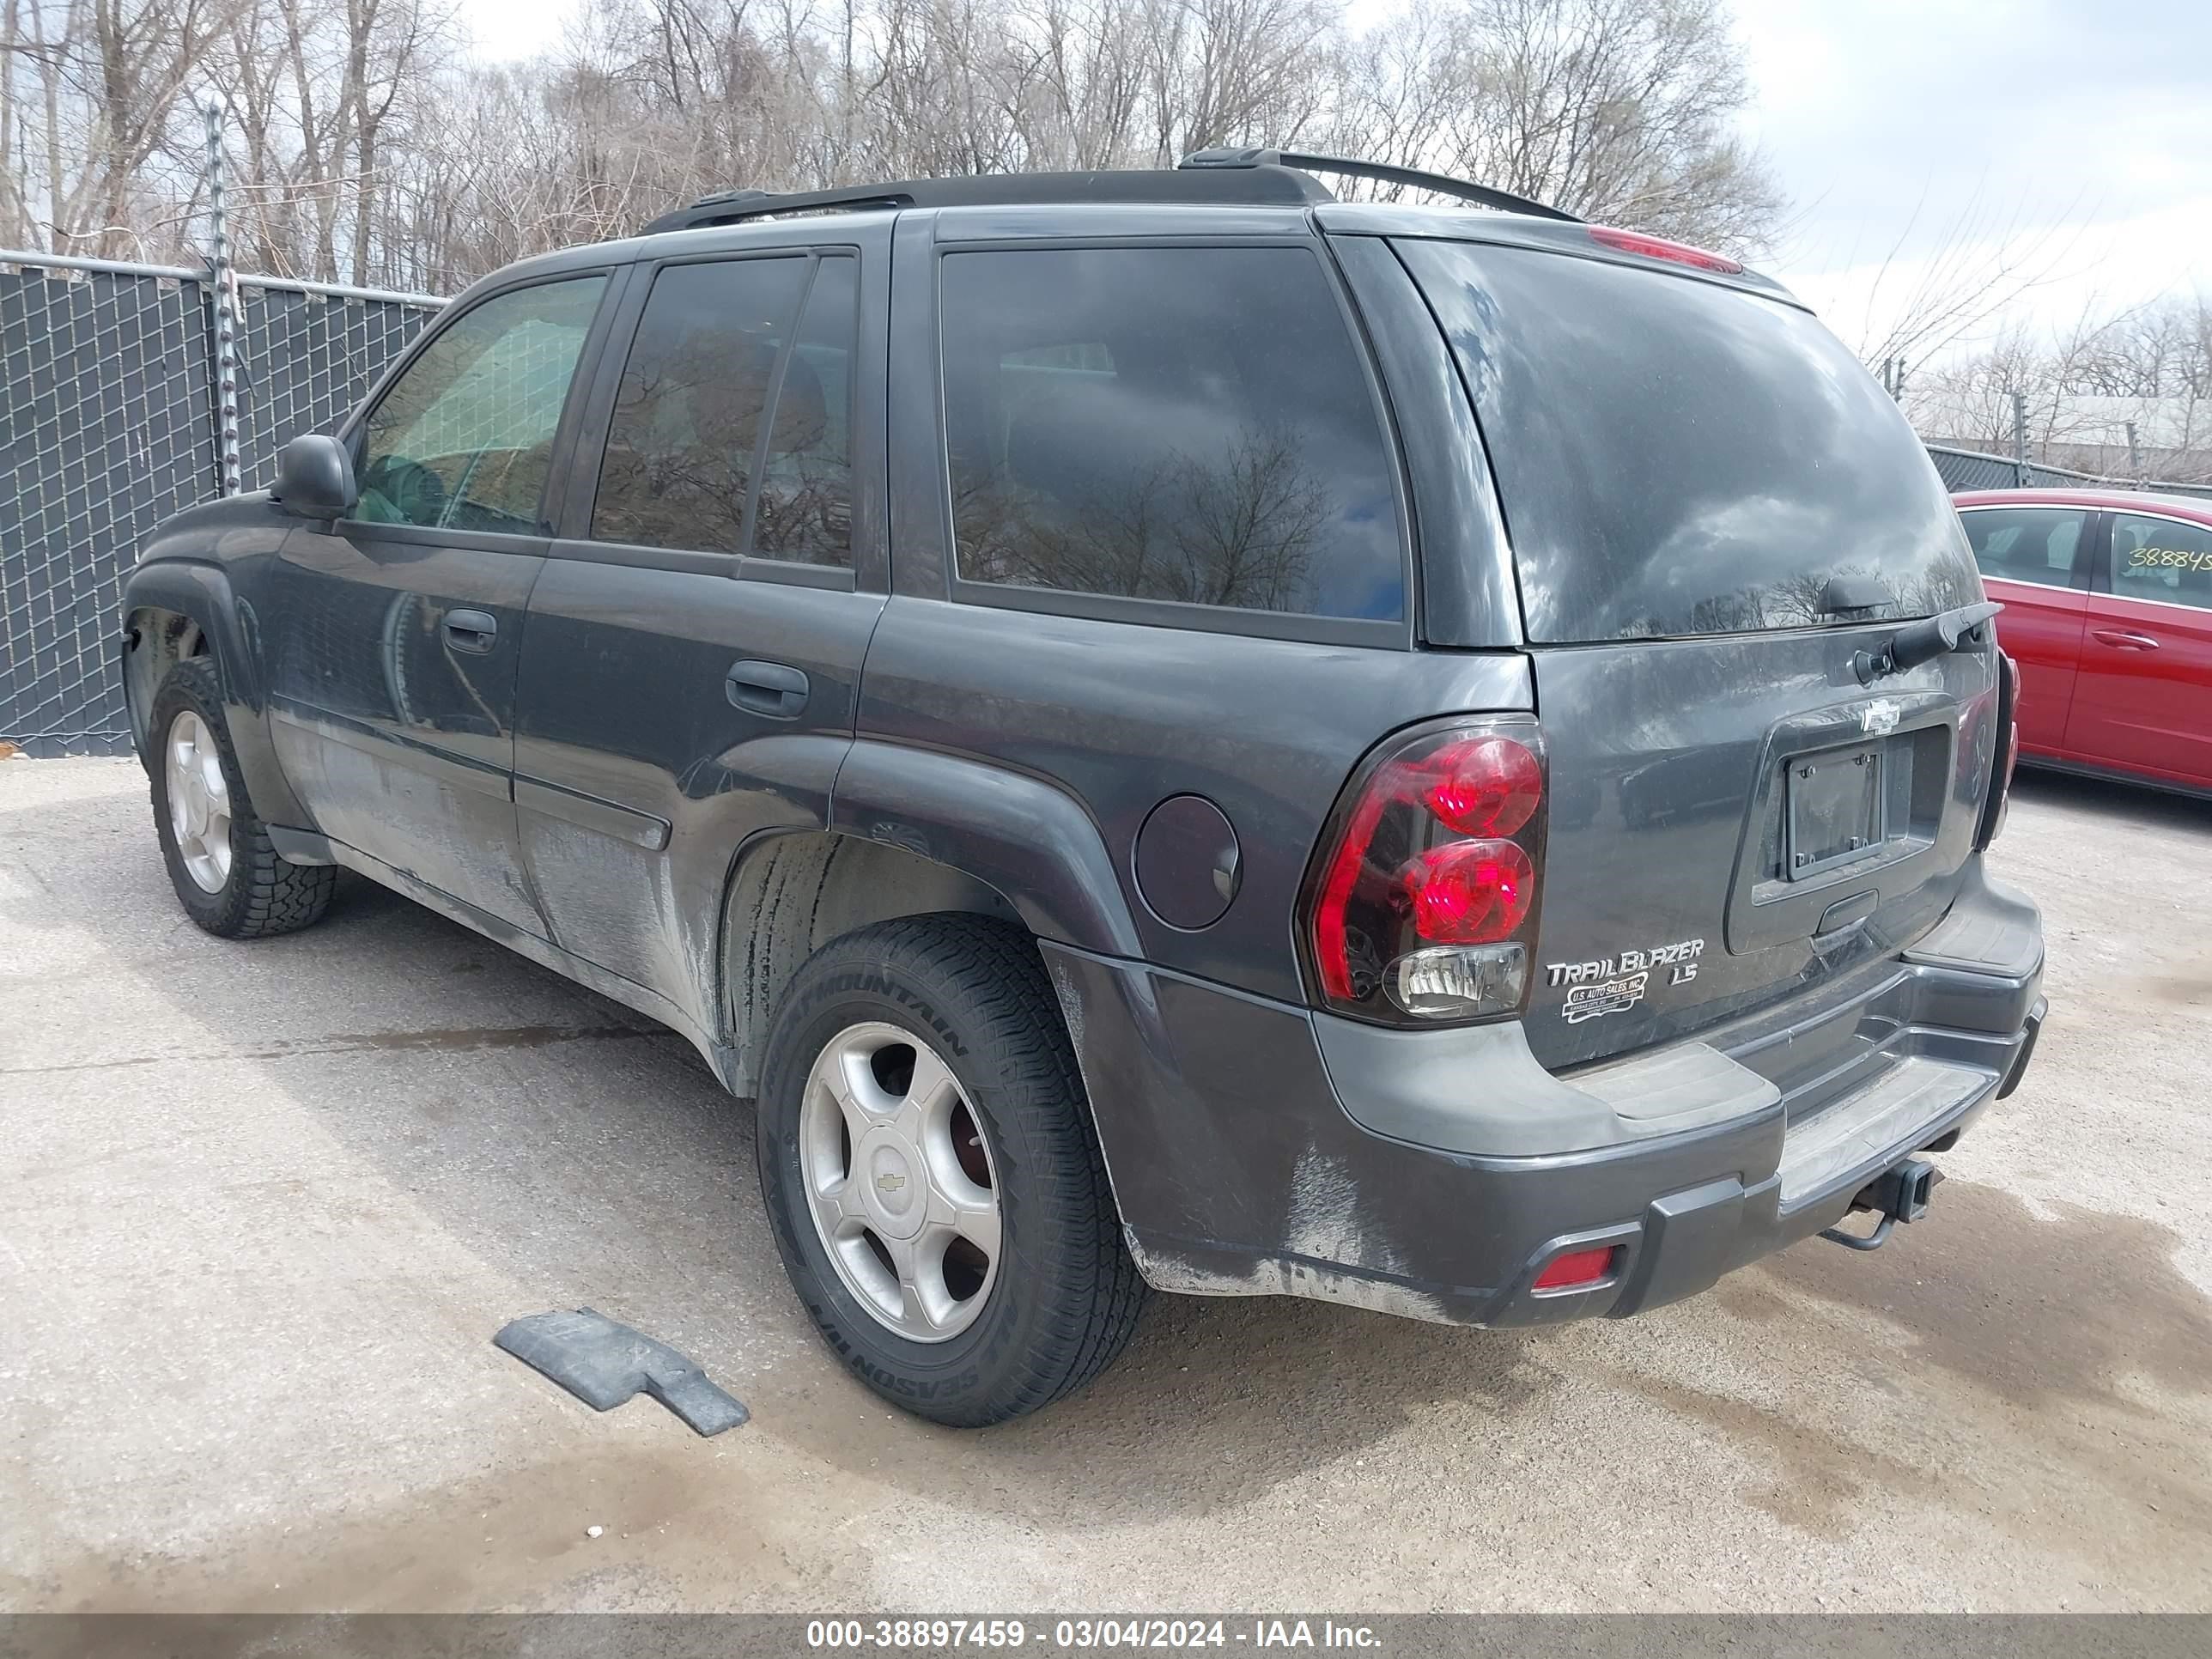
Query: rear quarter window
(1190,425)
(1677,456)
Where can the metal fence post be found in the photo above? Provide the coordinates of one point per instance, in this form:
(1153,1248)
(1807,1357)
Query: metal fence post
(2019,440)
(226,311)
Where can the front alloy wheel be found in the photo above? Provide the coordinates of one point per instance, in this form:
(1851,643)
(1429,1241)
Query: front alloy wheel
(226,871)
(199,801)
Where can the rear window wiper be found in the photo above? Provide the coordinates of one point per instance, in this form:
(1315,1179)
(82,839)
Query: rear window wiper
(1924,641)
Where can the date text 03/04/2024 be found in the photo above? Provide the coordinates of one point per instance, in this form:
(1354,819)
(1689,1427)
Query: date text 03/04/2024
(1088,1633)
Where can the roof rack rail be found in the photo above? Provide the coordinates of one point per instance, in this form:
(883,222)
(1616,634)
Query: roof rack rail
(1259,187)
(1278,178)
(1382,171)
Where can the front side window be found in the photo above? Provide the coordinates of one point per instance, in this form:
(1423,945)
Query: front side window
(693,453)
(2162,559)
(1183,424)
(463,440)
(2024,543)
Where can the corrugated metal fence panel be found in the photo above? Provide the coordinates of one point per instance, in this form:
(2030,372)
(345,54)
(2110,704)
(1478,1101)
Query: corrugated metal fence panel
(105,428)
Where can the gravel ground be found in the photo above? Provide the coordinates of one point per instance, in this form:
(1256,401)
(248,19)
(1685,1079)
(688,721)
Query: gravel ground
(266,1204)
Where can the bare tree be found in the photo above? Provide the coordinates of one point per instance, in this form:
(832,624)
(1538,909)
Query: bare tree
(90,96)
(364,147)
(2148,366)
(1617,110)
(1922,302)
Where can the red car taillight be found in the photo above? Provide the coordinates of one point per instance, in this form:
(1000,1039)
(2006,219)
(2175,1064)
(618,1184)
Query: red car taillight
(2008,755)
(1426,893)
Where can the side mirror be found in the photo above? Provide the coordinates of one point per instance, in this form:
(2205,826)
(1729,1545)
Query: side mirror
(314,478)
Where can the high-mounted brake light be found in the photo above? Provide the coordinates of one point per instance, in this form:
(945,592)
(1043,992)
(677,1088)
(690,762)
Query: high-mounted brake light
(1658,247)
(1422,901)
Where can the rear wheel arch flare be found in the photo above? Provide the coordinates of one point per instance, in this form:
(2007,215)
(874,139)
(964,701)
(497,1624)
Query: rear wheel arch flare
(789,893)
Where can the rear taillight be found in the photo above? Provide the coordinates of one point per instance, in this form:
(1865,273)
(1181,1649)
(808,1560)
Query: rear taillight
(1424,897)
(1658,247)
(2007,756)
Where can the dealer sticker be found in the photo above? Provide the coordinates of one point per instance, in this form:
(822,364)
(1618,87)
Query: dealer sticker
(1612,985)
(1614,997)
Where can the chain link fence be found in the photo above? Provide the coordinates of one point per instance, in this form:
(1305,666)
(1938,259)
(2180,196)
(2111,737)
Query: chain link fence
(1969,468)
(108,424)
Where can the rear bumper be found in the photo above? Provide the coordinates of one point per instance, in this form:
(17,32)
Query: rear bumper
(1256,1148)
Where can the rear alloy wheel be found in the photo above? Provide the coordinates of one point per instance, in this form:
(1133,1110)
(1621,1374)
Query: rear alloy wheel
(227,877)
(930,1171)
(904,1199)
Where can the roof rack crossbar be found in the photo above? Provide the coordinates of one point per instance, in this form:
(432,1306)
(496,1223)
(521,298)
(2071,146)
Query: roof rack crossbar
(1381,171)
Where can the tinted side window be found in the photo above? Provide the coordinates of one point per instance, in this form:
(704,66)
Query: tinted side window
(805,511)
(687,421)
(465,437)
(1186,424)
(2161,559)
(2024,543)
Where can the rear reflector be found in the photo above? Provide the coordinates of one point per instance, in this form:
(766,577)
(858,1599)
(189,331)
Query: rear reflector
(1575,1267)
(1658,247)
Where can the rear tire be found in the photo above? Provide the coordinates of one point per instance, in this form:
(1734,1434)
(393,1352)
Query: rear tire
(851,1047)
(227,877)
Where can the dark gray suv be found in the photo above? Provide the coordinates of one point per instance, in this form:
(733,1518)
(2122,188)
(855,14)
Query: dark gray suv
(1169,729)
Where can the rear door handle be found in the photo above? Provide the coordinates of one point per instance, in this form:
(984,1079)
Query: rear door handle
(2125,641)
(471,630)
(773,689)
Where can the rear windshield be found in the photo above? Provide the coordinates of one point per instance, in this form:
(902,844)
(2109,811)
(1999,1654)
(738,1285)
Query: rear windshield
(1676,457)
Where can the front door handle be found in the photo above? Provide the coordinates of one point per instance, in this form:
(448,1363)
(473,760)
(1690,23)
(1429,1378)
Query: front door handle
(2126,640)
(473,631)
(773,689)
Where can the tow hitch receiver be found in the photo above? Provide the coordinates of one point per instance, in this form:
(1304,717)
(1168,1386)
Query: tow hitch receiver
(1899,1194)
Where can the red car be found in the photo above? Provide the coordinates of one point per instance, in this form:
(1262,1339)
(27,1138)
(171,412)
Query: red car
(2108,611)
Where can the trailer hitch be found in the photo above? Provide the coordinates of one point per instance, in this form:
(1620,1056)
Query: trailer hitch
(1897,1195)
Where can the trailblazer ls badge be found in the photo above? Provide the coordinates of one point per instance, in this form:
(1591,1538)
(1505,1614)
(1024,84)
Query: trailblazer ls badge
(1615,984)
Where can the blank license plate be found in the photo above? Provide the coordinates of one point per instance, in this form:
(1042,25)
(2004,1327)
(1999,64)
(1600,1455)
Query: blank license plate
(1834,801)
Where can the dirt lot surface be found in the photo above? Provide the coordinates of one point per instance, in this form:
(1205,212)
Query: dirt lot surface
(265,1205)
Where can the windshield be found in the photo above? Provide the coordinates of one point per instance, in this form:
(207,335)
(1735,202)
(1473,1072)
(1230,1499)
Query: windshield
(1677,457)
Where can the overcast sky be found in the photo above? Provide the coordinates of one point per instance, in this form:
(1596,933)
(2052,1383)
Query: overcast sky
(1892,122)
